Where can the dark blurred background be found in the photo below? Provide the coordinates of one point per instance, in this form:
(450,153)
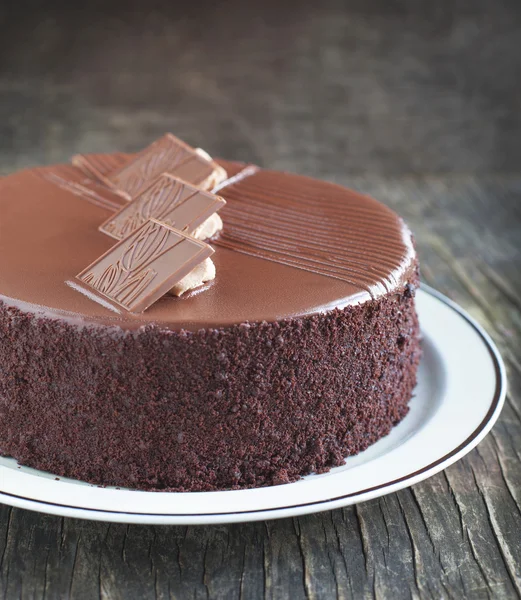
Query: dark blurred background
(387,87)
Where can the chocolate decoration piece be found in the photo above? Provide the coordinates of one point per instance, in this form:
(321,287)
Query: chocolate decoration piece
(166,155)
(100,166)
(144,266)
(168,200)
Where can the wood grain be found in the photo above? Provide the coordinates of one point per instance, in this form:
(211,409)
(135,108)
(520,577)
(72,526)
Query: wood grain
(415,103)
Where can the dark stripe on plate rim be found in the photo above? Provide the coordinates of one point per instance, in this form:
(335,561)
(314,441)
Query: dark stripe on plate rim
(495,409)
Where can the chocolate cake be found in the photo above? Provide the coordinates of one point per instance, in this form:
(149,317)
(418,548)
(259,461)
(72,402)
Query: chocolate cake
(302,350)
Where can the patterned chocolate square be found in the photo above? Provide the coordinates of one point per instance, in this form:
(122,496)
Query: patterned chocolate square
(166,155)
(141,268)
(168,200)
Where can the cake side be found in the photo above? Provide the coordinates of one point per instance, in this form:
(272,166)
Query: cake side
(243,406)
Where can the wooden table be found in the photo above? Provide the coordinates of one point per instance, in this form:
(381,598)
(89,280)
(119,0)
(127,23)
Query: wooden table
(415,103)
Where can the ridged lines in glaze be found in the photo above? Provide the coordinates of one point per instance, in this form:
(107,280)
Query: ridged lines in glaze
(99,166)
(363,244)
(70,179)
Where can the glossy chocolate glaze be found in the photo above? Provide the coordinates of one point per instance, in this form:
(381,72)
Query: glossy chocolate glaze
(291,246)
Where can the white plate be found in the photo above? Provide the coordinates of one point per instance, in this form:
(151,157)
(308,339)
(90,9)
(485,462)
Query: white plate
(459,396)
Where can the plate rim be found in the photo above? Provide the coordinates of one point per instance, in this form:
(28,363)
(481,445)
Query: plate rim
(496,404)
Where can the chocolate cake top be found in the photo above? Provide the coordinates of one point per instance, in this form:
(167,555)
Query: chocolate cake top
(290,246)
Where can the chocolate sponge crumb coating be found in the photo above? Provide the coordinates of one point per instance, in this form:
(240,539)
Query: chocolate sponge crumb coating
(237,407)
